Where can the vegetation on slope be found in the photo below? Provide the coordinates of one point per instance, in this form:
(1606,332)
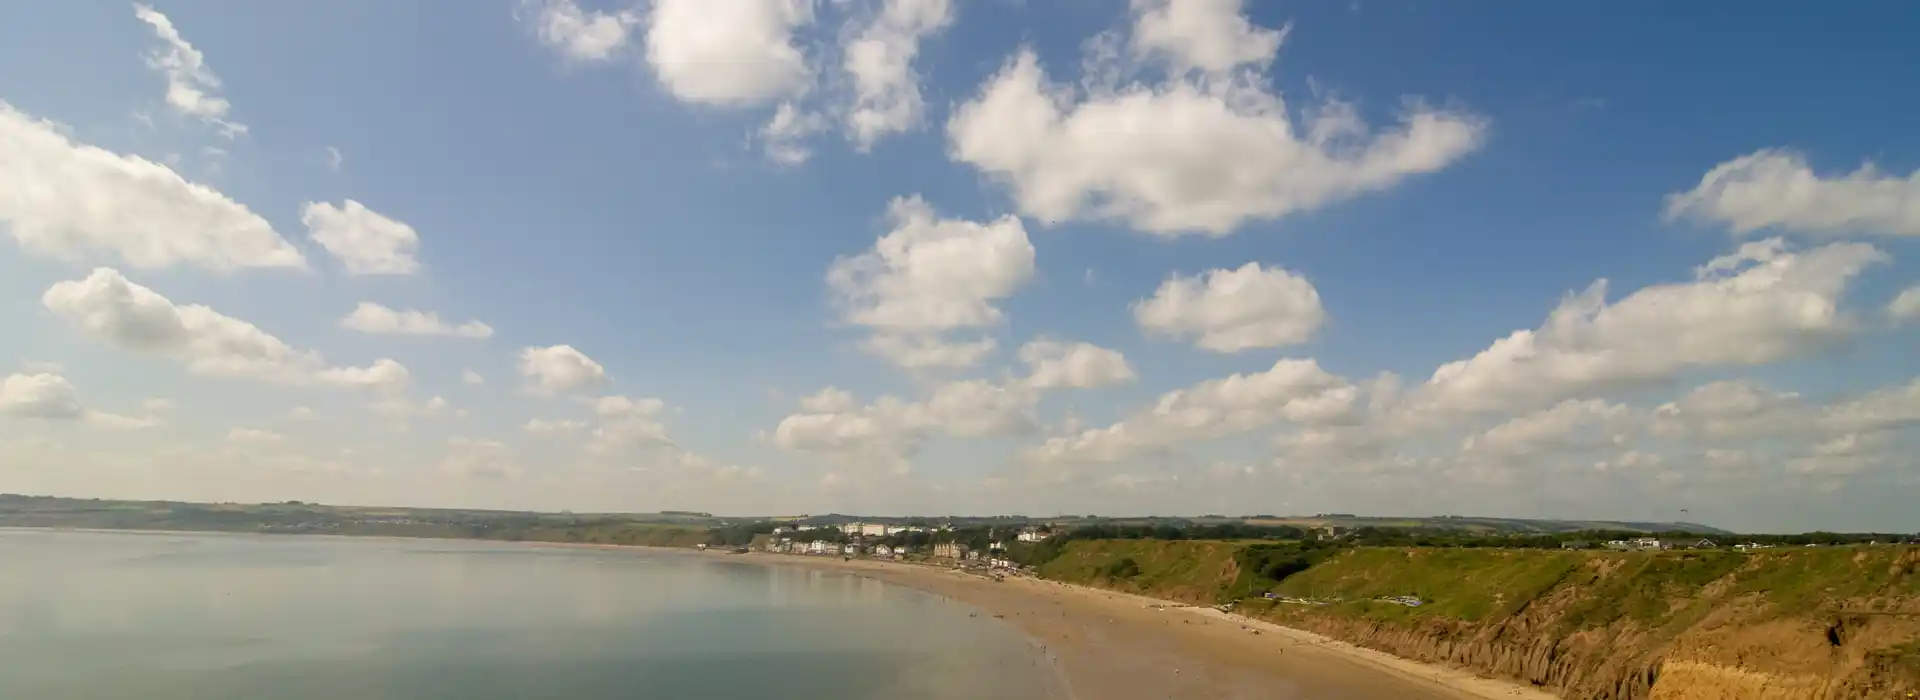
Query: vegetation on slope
(1823,622)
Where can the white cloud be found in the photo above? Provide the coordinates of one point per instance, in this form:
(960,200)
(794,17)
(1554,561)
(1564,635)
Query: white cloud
(43,396)
(1054,364)
(384,375)
(49,396)
(112,309)
(472,378)
(479,459)
(1567,426)
(1906,307)
(928,276)
(1206,35)
(71,200)
(1728,410)
(828,400)
(1776,189)
(889,430)
(400,408)
(626,423)
(369,317)
(115,421)
(254,435)
(301,413)
(1761,304)
(1293,390)
(578,34)
(1891,408)
(879,57)
(728,52)
(335,160)
(1195,153)
(1234,310)
(537,426)
(192,88)
(560,369)
(921,352)
(785,134)
(365,242)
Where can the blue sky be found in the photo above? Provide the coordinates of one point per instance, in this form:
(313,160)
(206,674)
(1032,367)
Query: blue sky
(591,176)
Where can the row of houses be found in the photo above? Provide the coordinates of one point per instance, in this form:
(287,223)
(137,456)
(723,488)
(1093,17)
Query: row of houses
(1644,544)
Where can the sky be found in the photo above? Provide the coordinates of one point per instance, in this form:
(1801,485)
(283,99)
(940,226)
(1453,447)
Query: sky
(941,257)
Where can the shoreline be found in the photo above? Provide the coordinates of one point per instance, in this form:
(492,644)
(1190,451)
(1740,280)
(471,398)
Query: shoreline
(1110,645)
(1193,651)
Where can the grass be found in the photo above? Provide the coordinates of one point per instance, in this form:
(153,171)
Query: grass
(1464,584)
(1179,570)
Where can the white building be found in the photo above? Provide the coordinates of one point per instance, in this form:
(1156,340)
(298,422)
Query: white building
(881,550)
(1031,535)
(820,547)
(850,550)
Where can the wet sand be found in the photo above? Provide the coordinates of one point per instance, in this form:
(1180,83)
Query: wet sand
(1115,646)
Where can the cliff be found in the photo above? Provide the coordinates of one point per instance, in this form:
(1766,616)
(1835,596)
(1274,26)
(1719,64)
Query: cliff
(1777,624)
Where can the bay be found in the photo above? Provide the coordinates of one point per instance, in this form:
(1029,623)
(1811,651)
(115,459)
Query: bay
(171,616)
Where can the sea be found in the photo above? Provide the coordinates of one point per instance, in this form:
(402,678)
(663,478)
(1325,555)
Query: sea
(89,615)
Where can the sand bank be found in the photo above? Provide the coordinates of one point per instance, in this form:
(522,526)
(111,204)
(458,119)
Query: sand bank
(1115,646)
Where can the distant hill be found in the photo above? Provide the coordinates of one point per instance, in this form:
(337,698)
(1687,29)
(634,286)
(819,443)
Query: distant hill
(51,511)
(1487,524)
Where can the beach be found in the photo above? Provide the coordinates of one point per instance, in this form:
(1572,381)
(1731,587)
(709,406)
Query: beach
(1115,646)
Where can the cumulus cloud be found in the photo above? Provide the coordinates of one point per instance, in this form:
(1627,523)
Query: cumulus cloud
(49,396)
(401,408)
(1055,364)
(1204,151)
(44,396)
(578,34)
(120,313)
(1761,304)
(927,352)
(1293,390)
(889,430)
(369,317)
(1777,189)
(929,276)
(879,57)
(476,458)
(1567,426)
(70,200)
(1234,310)
(627,423)
(192,88)
(1906,307)
(472,378)
(254,435)
(1211,36)
(785,134)
(383,375)
(728,52)
(539,426)
(365,242)
(559,369)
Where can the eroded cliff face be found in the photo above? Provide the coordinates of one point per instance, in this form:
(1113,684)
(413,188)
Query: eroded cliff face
(1773,626)
(1812,624)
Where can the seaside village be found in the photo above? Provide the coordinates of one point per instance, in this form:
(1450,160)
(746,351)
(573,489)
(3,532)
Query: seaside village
(888,541)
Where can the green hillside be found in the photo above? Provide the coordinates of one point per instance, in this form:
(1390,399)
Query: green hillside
(1789,622)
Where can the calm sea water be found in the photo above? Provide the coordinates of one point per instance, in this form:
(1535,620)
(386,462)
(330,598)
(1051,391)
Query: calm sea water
(87,615)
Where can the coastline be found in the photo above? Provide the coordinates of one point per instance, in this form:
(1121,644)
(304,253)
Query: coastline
(1109,645)
(1119,646)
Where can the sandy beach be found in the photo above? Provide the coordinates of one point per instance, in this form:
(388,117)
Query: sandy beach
(1115,646)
